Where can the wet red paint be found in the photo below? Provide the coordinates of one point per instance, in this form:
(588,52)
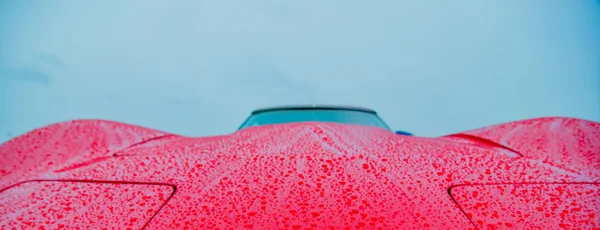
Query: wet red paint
(69,204)
(531,206)
(301,176)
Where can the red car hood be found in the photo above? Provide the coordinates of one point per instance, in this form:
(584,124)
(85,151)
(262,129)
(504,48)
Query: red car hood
(302,176)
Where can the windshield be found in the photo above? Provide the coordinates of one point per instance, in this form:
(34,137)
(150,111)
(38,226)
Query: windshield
(318,115)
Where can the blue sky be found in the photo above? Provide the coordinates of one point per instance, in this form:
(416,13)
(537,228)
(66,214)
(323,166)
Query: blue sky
(199,67)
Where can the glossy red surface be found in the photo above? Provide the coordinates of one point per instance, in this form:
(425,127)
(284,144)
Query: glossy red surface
(310,175)
(531,206)
(69,204)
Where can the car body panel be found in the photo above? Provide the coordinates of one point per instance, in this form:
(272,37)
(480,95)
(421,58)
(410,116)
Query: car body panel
(308,175)
(571,144)
(81,204)
(63,145)
(531,206)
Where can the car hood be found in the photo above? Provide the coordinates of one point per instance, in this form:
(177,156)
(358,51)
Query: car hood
(301,175)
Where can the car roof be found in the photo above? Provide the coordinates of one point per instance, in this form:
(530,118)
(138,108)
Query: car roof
(307,107)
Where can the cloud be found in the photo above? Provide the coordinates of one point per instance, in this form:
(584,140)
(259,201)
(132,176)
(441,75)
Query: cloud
(25,74)
(48,61)
(33,69)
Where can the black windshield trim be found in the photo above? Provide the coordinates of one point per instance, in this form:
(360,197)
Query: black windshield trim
(314,107)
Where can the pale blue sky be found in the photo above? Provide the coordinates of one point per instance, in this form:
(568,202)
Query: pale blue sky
(199,67)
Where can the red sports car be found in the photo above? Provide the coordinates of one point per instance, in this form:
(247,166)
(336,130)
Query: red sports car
(312,167)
